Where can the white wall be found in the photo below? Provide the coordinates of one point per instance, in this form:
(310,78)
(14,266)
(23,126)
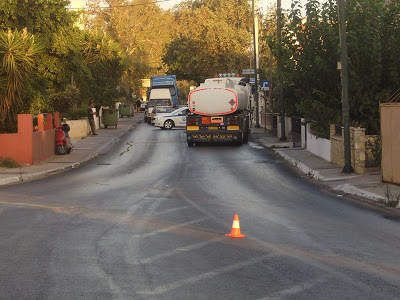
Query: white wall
(80,128)
(318,146)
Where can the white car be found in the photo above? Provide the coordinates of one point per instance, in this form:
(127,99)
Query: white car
(160,111)
(175,119)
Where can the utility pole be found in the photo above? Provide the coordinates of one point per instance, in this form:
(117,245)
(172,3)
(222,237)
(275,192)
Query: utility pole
(345,87)
(279,40)
(256,60)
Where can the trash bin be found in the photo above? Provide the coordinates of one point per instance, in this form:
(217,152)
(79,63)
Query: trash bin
(124,110)
(110,117)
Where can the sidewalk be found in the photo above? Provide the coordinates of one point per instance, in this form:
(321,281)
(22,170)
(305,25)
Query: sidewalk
(367,185)
(84,150)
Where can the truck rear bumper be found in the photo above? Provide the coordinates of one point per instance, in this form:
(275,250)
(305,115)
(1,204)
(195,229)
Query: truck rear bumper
(208,136)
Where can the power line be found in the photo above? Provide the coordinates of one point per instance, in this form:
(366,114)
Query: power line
(119,6)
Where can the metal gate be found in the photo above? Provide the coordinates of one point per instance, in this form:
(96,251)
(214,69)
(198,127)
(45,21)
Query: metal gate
(275,125)
(296,131)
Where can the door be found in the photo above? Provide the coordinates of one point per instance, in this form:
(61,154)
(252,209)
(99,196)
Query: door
(182,118)
(390,124)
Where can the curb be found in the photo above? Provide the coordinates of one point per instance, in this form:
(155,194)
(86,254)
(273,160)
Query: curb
(9,180)
(346,188)
(355,191)
(42,174)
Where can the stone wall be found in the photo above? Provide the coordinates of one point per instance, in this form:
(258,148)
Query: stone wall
(357,146)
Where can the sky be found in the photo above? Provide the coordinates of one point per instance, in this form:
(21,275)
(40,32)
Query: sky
(263,4)
(166,4)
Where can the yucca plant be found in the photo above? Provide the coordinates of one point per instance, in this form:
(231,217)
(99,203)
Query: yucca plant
(18,50)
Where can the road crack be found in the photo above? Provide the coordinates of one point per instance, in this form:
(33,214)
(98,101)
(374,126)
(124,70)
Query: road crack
(127,149)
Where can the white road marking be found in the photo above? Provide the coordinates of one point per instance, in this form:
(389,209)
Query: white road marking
(176,251)
(169,228)
(168,287)
(295,289)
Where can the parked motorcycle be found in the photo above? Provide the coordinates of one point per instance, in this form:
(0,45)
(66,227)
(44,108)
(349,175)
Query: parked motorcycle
(63,142)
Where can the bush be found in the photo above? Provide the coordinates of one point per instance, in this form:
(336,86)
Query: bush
(64,101)
(76,114)
(8,163)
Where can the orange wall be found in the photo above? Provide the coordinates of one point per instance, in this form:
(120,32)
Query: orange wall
(43,145)
(26,146)
(12,146)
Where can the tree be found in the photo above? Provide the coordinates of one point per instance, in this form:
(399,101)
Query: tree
(142,28)
(214,37)
(18,51)
(374,58)
(107,63)
(311,47)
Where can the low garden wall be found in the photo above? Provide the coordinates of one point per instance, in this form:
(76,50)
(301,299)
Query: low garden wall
(318,145)
(80,128)
(357,146)
(29,145)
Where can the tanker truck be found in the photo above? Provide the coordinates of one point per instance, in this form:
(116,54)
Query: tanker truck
(219,111)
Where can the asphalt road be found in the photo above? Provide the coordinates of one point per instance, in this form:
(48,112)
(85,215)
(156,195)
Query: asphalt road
(148,219)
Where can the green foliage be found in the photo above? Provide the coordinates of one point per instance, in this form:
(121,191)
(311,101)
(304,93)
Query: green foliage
(106,63)
(71,59)
(65,100)
(141,30)
(214,37)
(40,104)
(8,163)
(37,16)
(76,114)
(17,53)
(311,52)
(374,52)
(376,149)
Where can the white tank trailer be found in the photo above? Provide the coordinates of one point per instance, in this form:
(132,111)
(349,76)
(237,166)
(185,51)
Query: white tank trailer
(219,111)
(220,96)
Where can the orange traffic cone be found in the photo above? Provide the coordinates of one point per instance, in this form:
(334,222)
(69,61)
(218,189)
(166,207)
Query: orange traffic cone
(235,233)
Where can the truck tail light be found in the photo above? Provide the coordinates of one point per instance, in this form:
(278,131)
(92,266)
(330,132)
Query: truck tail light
(206,120)
(233,121)
(192,121)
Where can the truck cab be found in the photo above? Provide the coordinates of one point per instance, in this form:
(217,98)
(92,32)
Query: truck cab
(166,82)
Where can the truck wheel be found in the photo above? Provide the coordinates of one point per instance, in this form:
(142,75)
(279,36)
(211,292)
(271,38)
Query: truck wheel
(190,143)
(169,124)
